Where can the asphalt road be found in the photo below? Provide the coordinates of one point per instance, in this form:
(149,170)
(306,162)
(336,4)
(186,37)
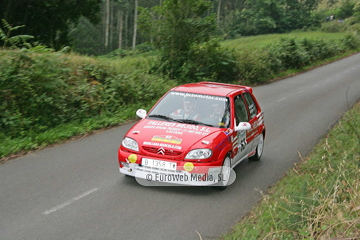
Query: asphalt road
(74,190)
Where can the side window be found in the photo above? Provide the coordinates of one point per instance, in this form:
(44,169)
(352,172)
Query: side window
(240,110)
(252,106)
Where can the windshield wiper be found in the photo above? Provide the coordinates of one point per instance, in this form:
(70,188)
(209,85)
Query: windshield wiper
(190,121)
(161,116)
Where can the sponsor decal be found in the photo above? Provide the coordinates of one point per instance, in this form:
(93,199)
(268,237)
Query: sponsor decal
(234,140)
(178,128)
(157,144)
(261,118)
(203,96)
(205,142)
(228,131)
(160,123)
(166,138)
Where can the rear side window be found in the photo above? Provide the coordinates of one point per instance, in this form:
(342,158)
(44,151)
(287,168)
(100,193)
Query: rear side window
(252,106)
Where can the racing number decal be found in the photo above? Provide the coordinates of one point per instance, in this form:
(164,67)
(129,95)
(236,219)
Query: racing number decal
(242,140)
(242,144)
(239,142)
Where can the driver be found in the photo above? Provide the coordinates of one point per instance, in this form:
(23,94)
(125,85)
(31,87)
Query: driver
(220,113)
(188,110)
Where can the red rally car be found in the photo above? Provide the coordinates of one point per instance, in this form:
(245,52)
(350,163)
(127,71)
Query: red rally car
(195,131)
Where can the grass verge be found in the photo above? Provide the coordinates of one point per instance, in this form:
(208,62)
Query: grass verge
(319,198)
(260,41)
(14,147)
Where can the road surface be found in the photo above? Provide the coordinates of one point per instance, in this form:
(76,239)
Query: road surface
(75,191)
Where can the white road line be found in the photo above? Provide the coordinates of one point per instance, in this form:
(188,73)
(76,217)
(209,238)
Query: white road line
(301,91)
(316,85)
(54,209)
(281,99)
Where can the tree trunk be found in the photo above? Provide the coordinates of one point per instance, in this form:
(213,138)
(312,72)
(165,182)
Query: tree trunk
(218,13)
(120,29)
(126,29)
(107,23)
(111,29)
(135,25)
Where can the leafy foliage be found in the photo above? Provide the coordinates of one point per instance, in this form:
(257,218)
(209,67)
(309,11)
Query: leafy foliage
(256,65)
(15,40)
(273,16)
(346,9)
(48,20)
(42,91)
(183,36)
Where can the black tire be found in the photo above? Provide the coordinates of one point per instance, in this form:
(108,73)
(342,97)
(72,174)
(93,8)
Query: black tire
(259,149)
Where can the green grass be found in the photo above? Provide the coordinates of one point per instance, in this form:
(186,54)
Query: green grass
(319,198)
(324,6)
(263,40)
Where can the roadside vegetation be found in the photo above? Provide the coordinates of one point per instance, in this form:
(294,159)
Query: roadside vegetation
(47,96)
(50,94)
(319,198)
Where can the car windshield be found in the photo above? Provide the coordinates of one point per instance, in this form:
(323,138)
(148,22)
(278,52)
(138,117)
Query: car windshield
(193,108)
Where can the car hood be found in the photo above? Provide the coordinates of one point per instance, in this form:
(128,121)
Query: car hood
(174,136)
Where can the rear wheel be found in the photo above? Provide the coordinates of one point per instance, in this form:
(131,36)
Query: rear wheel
(225,173)
(259,149)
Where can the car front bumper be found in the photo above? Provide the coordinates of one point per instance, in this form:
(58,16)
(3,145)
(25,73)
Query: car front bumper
(201,174)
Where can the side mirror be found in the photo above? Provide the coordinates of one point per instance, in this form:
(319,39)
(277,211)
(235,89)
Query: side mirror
(243,126)
(141,113)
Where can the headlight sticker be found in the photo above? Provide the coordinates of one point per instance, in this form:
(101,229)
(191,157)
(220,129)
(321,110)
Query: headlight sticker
(132,158)
(188,166)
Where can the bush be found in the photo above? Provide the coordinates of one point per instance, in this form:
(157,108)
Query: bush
(290,53)
(209,61)
(42,91)
(332,27)
(350,41)
(204,61)
(254,66)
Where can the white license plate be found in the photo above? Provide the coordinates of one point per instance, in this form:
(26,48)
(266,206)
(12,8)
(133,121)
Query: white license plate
(158,164)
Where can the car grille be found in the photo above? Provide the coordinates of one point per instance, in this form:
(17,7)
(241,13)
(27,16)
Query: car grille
(167,152)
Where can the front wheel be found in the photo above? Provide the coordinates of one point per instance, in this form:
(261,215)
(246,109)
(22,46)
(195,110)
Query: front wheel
(225,173)
(259,149)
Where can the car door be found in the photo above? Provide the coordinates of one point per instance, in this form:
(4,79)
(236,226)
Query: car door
(253,120)
(240,138)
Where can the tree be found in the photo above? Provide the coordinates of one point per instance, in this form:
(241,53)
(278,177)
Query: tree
(135,24)
(48,20)
(176,26)
(274,16)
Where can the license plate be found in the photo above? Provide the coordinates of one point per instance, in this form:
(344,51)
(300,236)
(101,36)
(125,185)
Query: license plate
(158,164)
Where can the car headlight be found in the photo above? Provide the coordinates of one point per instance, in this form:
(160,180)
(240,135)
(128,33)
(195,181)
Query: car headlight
(130,144)
(202,153)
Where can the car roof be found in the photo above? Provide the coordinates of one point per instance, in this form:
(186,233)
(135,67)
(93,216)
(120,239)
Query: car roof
(211,88)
